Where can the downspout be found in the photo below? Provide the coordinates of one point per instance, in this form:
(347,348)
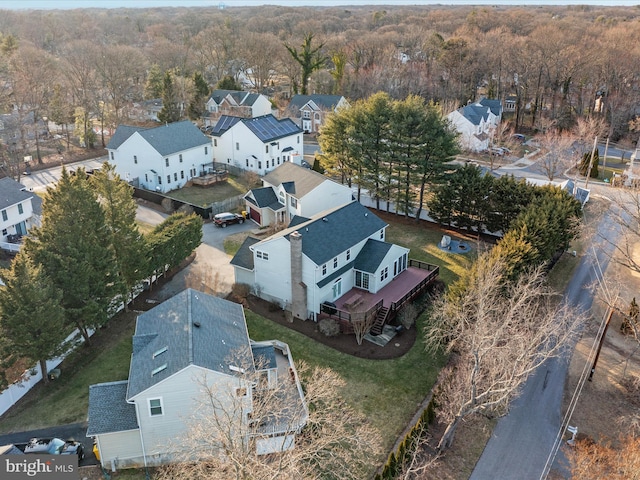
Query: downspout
(144,453)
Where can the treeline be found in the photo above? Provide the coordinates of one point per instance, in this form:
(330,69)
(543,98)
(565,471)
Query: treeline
(554,61)
(536,223)
(394,149)
(84,262)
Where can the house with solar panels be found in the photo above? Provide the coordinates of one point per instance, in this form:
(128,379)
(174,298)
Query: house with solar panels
(310,111)
(291,190)
(476,123)
(236,103)
(162,158)
(189,347)
(256,144)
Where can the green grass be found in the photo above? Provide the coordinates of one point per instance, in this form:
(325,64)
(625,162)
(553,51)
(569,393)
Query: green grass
(423,241)
(205,196)
(66,399)
(386,391)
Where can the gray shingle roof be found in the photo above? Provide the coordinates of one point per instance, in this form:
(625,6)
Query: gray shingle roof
(265,197)
(475,113)
(332,232)
(190,328)
(264,356)
(244,256)
(296,180)
(325,102)
(109,410)
(371,255)
(12,192)
(494,105)
(165,139)
(266,127)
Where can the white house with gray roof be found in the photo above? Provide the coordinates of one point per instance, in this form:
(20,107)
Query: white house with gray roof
(190,341)
(162,158)
(237,103)
(310,111)
(256,144)
(476,123)
(319,259)
(20,210)
(291,190)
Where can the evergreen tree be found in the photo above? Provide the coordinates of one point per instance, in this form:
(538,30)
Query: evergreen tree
(73,247)
(116,198)
(170,109)
(584,164)
(228,83)
(32,320)
(153,85)
(200,95)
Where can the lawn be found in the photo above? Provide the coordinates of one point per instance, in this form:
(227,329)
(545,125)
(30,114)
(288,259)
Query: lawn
(205,196)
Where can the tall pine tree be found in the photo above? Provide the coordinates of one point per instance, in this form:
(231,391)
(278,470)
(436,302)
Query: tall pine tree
(32,319)
(73,245)
(170,109)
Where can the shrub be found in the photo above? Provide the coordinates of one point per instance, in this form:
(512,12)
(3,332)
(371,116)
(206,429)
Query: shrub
(329,327)
(240,290)
(408,316)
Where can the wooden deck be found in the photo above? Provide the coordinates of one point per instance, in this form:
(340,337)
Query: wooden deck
(381,307)
(390,293)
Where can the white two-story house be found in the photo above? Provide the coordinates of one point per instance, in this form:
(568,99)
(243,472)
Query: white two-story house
(19,211)
(320,259)
(184,349)
(476,123)
(256,144)
(162,158)
(291,190)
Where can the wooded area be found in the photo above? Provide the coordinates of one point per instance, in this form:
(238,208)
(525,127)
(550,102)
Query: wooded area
(556,64)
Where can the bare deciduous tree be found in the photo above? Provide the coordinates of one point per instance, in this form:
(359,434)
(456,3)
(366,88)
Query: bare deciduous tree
(335,443)
(498,333)
(593,461)
(558,157)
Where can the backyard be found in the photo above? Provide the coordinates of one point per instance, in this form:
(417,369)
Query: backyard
(387,391)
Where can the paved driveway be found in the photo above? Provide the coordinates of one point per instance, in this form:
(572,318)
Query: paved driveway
(75,431)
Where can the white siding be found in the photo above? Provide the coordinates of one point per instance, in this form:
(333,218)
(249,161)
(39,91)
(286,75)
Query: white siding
(149,159)
(244,276)
(124,448)
(325,196)
(14,217)
(278,266)
(180,395)
(392,255)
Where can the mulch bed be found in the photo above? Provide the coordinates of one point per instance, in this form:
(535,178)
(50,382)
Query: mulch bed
(345,343)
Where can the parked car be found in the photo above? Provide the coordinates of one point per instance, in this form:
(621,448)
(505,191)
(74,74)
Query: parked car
(224,219)
(518,137)
(497,151)
(55,446)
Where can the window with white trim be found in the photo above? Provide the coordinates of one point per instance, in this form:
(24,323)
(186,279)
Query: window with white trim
(384,273)
(335,262)
(166,162)
(155,407)
(324,269)
(4,215)
(180,156)
(135,159)
(348,255)
(262,255)
(20,209)
(111,155)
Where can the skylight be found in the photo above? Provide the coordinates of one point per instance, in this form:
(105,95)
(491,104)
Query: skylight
(159,369)
(159,352)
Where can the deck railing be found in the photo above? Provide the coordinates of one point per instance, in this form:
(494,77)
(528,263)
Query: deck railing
(433,269)
(345,318)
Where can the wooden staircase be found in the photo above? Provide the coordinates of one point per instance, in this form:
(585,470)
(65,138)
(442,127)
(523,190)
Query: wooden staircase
(381,319)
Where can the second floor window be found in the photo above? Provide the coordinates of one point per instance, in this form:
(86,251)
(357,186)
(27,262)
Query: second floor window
(168,178)
(135,159)
(335,262)
(180,156)
(20,210)
(111,155)
(166,162)
(237,145)
(4,215)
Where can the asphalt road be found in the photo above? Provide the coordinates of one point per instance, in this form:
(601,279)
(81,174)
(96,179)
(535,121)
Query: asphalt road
(73,431)
(523,440)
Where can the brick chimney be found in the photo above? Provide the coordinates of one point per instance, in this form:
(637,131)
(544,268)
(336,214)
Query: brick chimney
(298,288)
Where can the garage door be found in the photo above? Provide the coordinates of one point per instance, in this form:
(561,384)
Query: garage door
(255,215)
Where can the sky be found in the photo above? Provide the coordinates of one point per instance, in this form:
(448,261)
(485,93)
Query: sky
(70,4)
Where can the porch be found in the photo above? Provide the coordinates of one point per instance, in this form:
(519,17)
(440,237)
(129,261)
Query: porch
(382,307)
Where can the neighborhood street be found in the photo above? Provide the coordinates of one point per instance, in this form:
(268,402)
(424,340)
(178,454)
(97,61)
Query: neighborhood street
(522,440)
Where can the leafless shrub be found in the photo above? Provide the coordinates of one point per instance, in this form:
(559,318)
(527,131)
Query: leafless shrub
(329,327)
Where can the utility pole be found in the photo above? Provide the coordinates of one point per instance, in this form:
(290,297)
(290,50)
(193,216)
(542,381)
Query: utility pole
(593,152)
(604,332)
(606,148)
